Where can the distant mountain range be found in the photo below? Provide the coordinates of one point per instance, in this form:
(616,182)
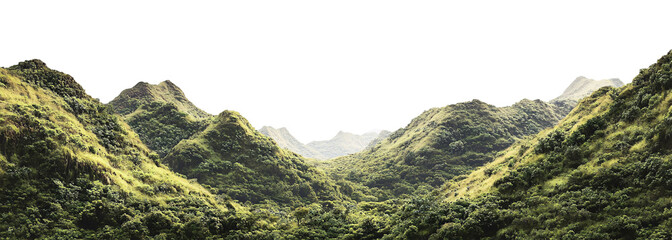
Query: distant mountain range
(342,144)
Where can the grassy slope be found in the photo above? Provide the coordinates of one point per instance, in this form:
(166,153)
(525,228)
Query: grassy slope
(442,143)
(71,168)
(602,173)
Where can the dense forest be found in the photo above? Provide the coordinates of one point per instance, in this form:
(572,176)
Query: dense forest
(150,165)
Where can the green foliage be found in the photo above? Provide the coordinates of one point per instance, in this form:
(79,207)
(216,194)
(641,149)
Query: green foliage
(602,173)
(241,163)
(443,143)
(161,126)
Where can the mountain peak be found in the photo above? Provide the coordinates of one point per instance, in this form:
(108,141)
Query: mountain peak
(165,92)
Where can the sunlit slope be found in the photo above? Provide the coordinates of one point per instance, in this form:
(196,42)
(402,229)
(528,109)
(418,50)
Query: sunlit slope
(603,173)
(70,168)
(442,143)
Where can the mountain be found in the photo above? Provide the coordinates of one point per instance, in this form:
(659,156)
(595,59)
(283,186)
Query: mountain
(602,173)
(223,152)
(71,169)
(285,140)
(443,143)
(582,87)
(165,92)
(343,143)
(236,160)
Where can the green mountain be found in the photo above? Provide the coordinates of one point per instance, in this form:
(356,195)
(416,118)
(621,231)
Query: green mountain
(582,87)
(602,173)
(224,152)
(443,143)
(71,169)
(238,161)
(142,93)
(285,140)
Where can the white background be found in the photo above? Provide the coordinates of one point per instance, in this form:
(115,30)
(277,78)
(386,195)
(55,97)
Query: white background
(317,67)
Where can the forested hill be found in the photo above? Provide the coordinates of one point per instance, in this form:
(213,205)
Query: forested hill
(602,173)
(223,151)
(70,168)
(442,143)
(240,162)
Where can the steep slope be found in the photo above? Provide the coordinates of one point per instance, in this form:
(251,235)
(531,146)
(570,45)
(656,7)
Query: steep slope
(582,87)
(602,173)
(285,140)
(240,162)
(71,169)
(442,143)
(144,93)
(343,143)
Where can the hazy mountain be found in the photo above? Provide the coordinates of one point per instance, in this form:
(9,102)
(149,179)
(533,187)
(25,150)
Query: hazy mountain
(340,145)
(165,92)
(582,87)
(602,173)
(285,140)
(343,143)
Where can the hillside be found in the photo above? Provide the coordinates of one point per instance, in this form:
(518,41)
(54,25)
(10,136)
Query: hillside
(240,162)
(601,173)
(71,168)
(144,93)
(442,143)
(285,140)
(582,87)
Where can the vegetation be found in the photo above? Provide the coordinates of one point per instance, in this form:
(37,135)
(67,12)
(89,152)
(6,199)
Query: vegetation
(240,162)
(72,169)
(443,143)
(161,126)
(602,173)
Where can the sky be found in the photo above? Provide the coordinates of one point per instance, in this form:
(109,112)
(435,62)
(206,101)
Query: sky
(319,67)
